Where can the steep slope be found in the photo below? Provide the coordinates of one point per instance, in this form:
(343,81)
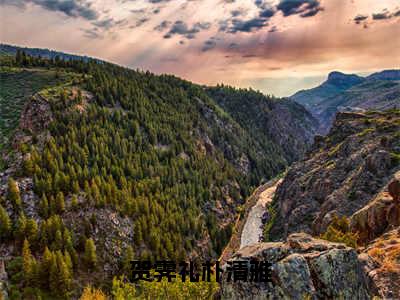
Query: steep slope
(116,164)
(341,175)
(279,123)
(346,191)
(343,92)
(17,85)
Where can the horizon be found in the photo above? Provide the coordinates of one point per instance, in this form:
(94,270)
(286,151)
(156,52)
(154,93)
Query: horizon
(277,47)
(323,78)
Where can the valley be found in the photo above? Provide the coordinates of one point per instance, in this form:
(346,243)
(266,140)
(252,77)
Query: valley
(101,164)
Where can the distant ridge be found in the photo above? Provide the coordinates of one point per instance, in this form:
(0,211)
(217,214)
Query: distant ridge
(343,92)
(6,49)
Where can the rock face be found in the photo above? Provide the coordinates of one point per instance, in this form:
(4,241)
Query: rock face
(349,168)
(302,268)
(377,216)
(36,115)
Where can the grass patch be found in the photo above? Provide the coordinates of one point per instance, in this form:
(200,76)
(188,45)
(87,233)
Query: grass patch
(17,85)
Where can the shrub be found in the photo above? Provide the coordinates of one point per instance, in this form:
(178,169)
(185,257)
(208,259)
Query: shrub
(339,231)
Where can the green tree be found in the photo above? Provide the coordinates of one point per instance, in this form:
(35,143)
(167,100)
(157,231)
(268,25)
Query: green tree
(31,230)
(60,203)
(126,260)
(13,193)
(28,262)
(90,256)
(74,202)
(5,223)
(45,267)
(20,227)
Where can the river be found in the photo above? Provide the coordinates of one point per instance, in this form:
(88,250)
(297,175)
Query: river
(253,228)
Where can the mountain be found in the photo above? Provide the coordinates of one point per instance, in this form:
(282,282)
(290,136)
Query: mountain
(336,83)
(385,75)
(343,92)
(6,49)
(265,118)
(332,229)
(101,164)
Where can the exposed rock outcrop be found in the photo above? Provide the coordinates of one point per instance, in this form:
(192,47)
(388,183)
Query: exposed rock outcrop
(380,214)
(302,268)
(352,165)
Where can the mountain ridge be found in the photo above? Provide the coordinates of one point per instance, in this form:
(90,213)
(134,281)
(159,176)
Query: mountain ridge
(346,92)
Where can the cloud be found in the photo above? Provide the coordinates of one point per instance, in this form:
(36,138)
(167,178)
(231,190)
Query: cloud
(181,28)
(71,8)
(162,26)
(247,26)
(208,45)
(306,8)
(237,25)
(382,15)
(359,18)
(91,33)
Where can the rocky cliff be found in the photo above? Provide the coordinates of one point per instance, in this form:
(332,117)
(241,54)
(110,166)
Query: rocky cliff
(303,268)
(341,174)
(354,172)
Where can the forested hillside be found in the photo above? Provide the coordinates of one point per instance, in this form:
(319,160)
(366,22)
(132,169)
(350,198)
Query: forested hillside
(108,164)
(266,120)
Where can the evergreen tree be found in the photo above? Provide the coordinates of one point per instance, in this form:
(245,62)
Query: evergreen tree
(74,202)
(13,193)
(45,267)
(44,207)
(64,277)
(5,223)
(27,265)
(60,203)
(31,230)
(20,227)
(126,260)
(90,256)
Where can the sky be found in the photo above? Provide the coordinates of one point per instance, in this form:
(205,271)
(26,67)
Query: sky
(276,46)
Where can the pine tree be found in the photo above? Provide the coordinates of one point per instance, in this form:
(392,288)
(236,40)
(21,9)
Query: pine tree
(45,267)
(53,275)
(5,223)
(28,166)
(13,193)
(31,230)
(90,256)
(126,260)
(64,276)
(44,207)
(58,242)
(20,227)
(27,259)
(74,202)
(60,203)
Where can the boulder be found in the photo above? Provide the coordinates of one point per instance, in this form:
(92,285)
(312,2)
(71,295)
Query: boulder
(303,267)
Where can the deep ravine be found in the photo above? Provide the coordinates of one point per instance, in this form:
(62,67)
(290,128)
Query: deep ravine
(253,229)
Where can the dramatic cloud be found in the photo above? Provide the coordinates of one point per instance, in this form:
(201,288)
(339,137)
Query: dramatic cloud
(247,26)
(306,8)
(181,28)
(72,8)
(271,45)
